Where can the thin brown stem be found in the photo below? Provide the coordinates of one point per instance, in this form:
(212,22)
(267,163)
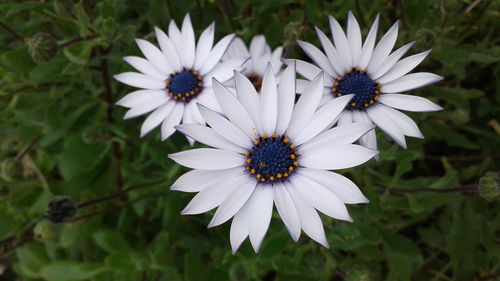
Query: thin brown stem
(118,194)
(462,158)
(110,210)
(108,96)
(12,32)
(77,40)
(463,189)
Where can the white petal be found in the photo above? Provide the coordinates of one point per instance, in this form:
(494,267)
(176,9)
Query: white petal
(286,98)
(343,134)
(310,221)
(233,203)
(386,124)
(339,185)
(306,106)
(409,103)
(402,67)
(139,97)
(261,210)
(300,85)
(145,67)
(339,63)
(407,126)
(319,197)
(248,97)
(340,40)
(237,49)
(173,119)
(410,82)
(389,62)
(168,50)
(369,140)
(216,54)
(367,50)
(175,35)
(225,128)
(207,99)
(213,195)
(188,42)
(193,109)
(208,159)
(318,57)
(258,46)
(197,180)
(322,119)
(225,70)
(209,137)
(269,101)
(154,56)
(336,157)
(142,109)
(204,47)
(276,59)
(139,80)
(384,47)
(234,110)
(155,118)
(287,210)
(345,118)
(354,38)
(239,227)
(308,70)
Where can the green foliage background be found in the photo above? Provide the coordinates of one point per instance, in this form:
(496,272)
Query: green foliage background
(433,214)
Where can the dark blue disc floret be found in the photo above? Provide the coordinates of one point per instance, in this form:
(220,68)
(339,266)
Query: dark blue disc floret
(272,158)
(184,85)
(357,81)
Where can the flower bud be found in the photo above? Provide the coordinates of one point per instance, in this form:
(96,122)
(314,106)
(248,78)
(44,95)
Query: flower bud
(488,186)
(10,169)
(60,210)
(358,273)
(42,47)
(45,231)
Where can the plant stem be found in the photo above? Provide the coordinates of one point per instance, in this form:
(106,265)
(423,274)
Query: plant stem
(15,34)
(118,194)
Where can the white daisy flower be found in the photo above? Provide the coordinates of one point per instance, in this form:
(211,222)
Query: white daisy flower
(269,149)
(374,75)
(260,54)
(176,77)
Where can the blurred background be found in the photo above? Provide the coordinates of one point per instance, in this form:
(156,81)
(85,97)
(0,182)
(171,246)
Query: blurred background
(434,212)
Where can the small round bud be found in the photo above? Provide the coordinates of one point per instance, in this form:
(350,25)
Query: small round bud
(489,188)
(45,231)
(10,169)
(60,210)
(359,273)
(42,47)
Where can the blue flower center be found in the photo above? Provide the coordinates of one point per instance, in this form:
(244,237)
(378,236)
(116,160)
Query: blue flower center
(184,85)
(272,158)
(357,82)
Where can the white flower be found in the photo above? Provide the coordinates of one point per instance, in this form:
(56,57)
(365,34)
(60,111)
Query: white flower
(176,77)
(374,75)
(269,149)
(260,55)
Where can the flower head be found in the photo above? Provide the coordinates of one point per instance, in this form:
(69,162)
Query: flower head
(373,75)
(260,55)
(174,78)
(268,149)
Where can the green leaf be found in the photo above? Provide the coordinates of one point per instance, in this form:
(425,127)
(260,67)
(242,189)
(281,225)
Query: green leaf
(79,157)
(71,271)
(19,60)
(111,241)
